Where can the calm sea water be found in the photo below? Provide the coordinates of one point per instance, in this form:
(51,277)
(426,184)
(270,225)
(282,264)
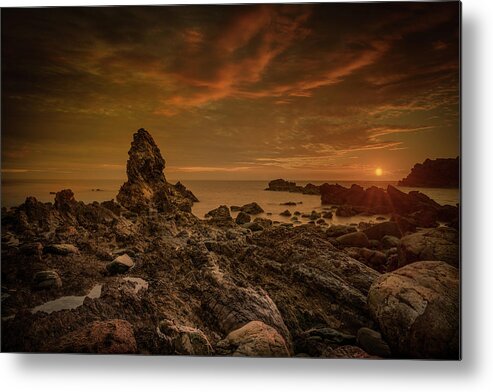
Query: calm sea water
(210,193)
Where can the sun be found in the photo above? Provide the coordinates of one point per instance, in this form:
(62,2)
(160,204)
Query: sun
(378,171)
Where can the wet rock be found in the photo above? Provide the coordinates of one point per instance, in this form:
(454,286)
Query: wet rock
(99,337)
(371,341)
(435,244)
(321,222)
(281,185)
(61,249)
(47,280)
(346,211)
(417,309)
(285,213)
(358,239)
(327,215)
(242,218)
(252,209)
(288,203)
(378,231)
(120,265)
(184,340)
(255,339)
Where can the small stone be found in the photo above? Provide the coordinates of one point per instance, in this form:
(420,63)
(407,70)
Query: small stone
(120,265)
(285,213)
(61,249)
(242,218)
(47,280)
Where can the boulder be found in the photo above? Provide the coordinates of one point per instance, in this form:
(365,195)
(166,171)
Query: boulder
(417,309)
(120,265)
(255,339)
(346,211)
(315,341)
(220,216)
(47,280)
(184,340)
(339,230)
(61,249)
(440,244)
(252,209)
(378,231)
(99,337)
(371,341)
(357,239)
(389,241)
(242,218)
(285,213)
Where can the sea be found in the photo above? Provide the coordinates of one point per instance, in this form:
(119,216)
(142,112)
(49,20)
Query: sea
(211,195)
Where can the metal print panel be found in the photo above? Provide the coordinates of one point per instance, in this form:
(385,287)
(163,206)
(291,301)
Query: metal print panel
(237,180)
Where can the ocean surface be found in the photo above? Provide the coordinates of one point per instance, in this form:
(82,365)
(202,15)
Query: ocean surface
(210,193)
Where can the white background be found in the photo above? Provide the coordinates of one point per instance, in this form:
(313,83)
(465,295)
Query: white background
(473,373)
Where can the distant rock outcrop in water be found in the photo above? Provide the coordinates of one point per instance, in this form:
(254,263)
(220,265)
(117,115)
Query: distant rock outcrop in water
(147,187)
(434,173)
(281,185)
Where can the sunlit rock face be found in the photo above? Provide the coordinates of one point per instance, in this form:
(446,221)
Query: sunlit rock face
(147,187)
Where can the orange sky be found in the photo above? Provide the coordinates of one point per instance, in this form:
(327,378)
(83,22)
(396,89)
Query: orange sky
(315,92)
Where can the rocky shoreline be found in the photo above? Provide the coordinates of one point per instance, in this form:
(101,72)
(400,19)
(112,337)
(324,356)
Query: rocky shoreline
(173,284)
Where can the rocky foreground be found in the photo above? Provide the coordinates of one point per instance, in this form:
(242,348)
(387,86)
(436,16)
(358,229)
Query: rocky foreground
(144,275)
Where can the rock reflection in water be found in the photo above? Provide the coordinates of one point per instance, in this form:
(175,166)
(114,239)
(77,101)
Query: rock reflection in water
(67,302)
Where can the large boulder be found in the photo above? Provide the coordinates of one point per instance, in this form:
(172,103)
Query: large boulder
(255,339)
(220,216)
(441,244)
(417,309)
(99,337)
(357,239)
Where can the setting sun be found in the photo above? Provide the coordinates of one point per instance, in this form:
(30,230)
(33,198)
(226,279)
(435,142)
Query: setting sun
(378,171)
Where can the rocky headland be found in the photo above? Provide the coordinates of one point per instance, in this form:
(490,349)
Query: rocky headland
(142,274)
(434,173)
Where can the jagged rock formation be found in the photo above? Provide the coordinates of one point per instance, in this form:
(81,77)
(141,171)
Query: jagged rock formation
(146,187)
(434,173)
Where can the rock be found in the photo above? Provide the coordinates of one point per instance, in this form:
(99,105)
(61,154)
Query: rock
(371,341)
(389,241)
(372,258)
(252,209)
(235,208)
(327,215)
(242,218)
(358,239)
(315,215)
(99,337)
(182,189)
(120,265)
(255,339)
(281,185)
(61,249)
(406,225)
(65,200)
(146,188)
(339,230)
(378,231)
(288,203)
(285,213)
(315,341)
(347,352)
(32,249)
(436,173)
(440,244)
(297,213)
(417,309)
(47,280)
(220,216)
(184,340)
(253,226)
(310,189)
(321,222)
(346,211)
(114,207)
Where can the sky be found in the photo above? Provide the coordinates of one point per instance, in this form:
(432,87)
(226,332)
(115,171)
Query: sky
(299,91)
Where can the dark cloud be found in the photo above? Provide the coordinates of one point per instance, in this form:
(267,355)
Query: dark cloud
(249,90)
